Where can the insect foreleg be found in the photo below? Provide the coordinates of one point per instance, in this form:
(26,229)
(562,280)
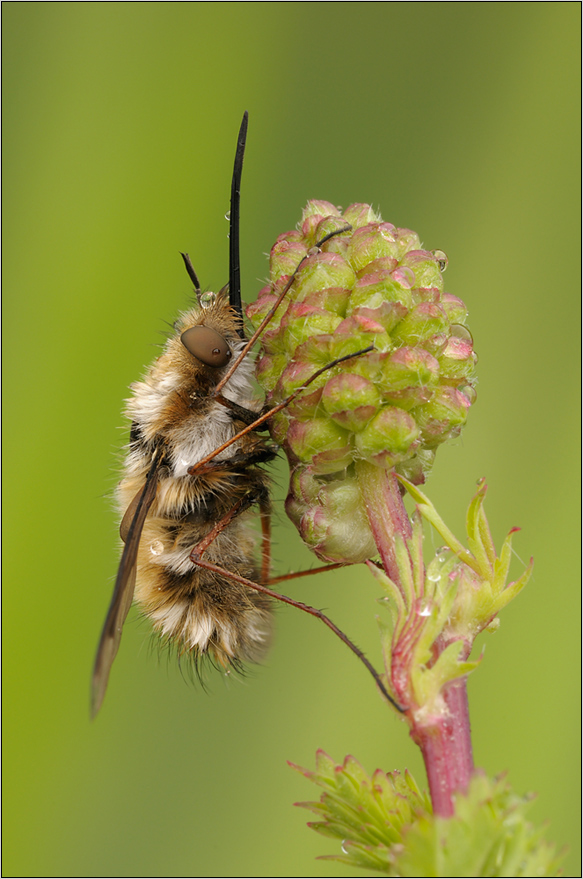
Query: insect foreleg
(242,354)
(313,611)
(270,412)
(247,416)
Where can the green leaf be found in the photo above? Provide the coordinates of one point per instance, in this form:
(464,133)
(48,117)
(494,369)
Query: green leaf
(488,835)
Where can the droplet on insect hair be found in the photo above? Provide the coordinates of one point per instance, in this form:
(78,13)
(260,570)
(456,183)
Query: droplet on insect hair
(207,299)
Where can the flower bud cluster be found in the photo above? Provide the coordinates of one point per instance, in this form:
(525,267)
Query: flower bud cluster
(370,286)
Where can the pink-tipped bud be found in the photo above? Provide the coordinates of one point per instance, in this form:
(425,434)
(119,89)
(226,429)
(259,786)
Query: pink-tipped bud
(370,288)
(389,438)
(350,400)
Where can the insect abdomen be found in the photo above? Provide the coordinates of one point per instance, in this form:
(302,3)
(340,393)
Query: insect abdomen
(195,609)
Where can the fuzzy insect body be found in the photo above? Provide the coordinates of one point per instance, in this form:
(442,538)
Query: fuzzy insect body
(172,409)
(171,508)
(191,475)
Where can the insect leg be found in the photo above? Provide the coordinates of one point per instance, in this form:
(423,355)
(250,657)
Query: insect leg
(238,508)
(345,228)
(265,514)
(270,412)
(247,416)
(313,611)
(293,576)
(238,461)
(243,504)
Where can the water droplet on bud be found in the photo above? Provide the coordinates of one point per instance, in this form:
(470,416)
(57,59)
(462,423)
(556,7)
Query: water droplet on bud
(469,393)
(461,332)
(441,258)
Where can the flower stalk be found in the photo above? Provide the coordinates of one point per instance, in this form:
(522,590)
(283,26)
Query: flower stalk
(441,729)
(362,435)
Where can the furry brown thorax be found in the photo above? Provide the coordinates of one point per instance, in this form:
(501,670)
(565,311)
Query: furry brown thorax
(172,407)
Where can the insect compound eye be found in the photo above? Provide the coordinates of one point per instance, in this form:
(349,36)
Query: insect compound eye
(207,346)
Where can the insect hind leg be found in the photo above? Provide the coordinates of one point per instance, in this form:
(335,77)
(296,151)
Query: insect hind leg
(313,611)
(252,497)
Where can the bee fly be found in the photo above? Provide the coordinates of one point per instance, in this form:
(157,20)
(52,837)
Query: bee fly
(192,473)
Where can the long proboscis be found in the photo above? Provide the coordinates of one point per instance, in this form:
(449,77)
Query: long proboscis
(234,223)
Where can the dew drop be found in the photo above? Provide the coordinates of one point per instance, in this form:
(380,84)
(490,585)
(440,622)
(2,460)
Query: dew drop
(157,547)
(434,576)
(207,299)
(469,393)
(461,332)
(228,215)
(441,258)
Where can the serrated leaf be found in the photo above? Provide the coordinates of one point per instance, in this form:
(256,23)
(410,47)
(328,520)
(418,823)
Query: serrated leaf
(487,835)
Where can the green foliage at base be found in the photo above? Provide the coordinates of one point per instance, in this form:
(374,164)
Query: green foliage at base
(385,823)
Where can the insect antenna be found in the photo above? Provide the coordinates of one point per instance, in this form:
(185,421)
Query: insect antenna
(192,274)
(234,224)
(234,216)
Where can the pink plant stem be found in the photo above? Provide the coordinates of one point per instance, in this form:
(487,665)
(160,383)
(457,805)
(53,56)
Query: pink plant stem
(386,513)
(447,749)
(445,741)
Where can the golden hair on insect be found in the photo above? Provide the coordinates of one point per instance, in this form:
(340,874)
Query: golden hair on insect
(191,476)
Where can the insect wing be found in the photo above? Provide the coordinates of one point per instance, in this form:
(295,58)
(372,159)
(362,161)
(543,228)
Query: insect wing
(123,592)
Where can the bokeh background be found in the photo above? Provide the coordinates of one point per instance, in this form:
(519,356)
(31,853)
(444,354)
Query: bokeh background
(458,120)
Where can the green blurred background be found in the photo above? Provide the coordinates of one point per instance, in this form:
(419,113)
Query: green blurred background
(458,120)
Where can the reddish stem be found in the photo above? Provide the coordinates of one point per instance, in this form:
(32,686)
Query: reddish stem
(447,749)
(386,513)
(445,741)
